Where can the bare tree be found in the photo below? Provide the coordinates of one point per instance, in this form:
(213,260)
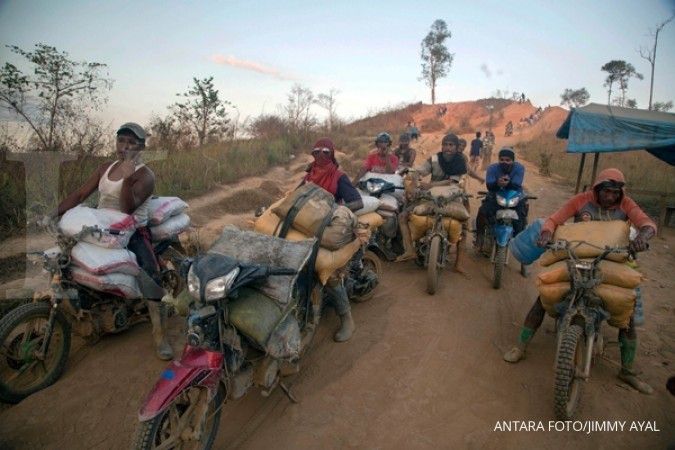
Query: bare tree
(574,98)
(57,96)
(436,59)
(298,109)
(328,102)
(203,110)
(650,54)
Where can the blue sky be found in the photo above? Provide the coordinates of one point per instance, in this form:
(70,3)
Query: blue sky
(369,51)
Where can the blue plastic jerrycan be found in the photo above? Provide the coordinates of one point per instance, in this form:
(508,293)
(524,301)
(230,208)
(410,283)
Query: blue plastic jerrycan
(524,246)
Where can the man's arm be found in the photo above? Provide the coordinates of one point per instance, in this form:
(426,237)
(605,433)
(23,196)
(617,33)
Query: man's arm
(566,211)
(136,189)
(81,194)
(413,155)
(645,225)
(517,176)
(491,178)
(348,194)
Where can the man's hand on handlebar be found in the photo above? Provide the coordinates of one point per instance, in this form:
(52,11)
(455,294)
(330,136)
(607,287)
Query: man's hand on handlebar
(544,238)
(639,244)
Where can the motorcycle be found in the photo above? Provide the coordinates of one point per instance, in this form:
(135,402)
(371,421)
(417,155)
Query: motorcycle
(434,246)
(580,317)
(256,305)
(35,337)
(496,237)
(385,240)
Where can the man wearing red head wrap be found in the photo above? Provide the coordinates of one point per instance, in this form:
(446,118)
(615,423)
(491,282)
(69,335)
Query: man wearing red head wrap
(324,172)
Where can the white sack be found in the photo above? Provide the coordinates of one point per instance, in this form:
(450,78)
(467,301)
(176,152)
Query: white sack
(119,284)
(370,204)
(172,227)
(161,209)
(74,219)
(101,261)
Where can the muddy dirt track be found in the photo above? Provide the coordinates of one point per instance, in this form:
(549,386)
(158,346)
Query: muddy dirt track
(420,372)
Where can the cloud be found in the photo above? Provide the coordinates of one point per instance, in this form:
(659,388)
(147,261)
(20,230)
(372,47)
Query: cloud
(486,70)
(248,65)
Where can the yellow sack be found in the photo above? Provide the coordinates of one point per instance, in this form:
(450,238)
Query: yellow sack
(613,233)
(419,225)
(619,302)
(613,273)
(372,220)
(454,210)
(268,223)
(312,213)
(328,262)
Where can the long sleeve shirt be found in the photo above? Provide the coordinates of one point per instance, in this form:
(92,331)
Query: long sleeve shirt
(495,172)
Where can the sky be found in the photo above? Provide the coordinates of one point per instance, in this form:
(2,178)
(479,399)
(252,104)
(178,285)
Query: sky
(368,50)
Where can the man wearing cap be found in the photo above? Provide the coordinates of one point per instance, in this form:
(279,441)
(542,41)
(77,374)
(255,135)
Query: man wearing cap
(505,174)
(605,201)
(380,160)
(126,185)
(446,168)
(405,154)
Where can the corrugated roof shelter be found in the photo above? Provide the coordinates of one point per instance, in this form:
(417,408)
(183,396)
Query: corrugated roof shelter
(597,128)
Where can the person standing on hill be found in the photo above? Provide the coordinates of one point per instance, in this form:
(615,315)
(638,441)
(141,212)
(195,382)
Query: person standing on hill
(475,152)
(381,160)
(605,201)
(406,155)
(126,185)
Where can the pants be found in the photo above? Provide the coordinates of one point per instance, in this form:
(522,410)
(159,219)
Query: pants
(150,278)
(488,210)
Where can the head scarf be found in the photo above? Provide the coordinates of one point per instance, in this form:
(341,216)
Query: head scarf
(327,174)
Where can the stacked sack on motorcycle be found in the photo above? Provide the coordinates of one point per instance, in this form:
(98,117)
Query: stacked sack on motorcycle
(100,260)
(308,212)
(167,217)
(453,211)
(619,281)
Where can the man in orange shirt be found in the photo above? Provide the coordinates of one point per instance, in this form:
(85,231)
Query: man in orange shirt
(605,201)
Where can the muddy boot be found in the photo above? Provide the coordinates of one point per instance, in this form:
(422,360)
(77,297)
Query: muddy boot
(346,328)
(627,374)
(159,318)
(518,352)
(409,250)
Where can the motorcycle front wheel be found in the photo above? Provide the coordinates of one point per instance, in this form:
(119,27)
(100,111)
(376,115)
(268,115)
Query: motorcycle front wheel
(189,422)
(370,262)
(567,392)
(22,332)
(434,265)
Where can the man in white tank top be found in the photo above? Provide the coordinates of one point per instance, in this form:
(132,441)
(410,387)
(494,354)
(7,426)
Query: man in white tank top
(127,185)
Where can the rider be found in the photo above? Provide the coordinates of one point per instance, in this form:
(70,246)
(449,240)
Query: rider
(381,160)
(126,185)
(505,174)
(446,168)
(405,154)
(605,201)
(324,172)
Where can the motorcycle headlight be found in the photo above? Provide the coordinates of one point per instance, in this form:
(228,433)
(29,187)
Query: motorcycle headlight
(218,287)
(501,201)
(193,283)
(373,187)
(512,203)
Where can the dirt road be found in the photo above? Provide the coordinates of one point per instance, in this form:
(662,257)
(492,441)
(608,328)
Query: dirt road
(420,372)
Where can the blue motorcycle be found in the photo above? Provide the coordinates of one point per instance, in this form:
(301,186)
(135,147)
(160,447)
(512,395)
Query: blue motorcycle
(496,238)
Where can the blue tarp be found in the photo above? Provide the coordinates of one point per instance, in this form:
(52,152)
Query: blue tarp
(601,128)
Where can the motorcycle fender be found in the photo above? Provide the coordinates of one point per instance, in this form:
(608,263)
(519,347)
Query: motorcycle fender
(502,234)
(196,366)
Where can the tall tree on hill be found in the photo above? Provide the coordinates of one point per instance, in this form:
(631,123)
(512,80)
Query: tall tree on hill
(203,110)
(619,72)
(436,59)
(574,98)
(56,99)
(650,54)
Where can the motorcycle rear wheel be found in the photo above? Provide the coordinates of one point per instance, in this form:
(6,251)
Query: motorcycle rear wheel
(22,332)
(500,262)
(169,429)
(568,387)
(433,266)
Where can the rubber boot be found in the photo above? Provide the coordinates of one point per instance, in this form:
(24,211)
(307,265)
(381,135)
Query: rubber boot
(409,250)
(347,328)
(159,319)
(518,352)
(627,374)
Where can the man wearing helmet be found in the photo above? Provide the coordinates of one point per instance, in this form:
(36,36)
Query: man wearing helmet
(126,185)
(405,154)
(605,201)
(381,160)
(446,168)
